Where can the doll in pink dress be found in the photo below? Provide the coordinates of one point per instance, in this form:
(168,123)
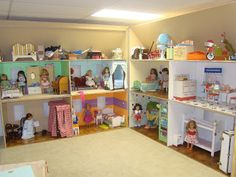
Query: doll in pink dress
(191,134)
(153,76)
(88,117)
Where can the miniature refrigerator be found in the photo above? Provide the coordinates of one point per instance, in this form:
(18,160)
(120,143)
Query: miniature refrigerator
(226,154)
(163,123)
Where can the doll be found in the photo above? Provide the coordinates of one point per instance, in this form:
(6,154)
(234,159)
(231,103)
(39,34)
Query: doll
(44,81)
(152,114)
(88,117)
(105,77)
(153,76)
(5,84)
(21,81)
(191,134)
(164,79)
(137,114)
(89,79)
(28,127)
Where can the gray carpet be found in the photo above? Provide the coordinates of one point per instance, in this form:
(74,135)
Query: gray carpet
(118,153)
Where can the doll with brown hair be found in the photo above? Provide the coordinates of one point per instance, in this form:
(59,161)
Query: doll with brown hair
(106,77)
(22,81)
(89,79)
(164,79)
(137,114)
(153,76)
(5,84)
(191,134)
(44,81)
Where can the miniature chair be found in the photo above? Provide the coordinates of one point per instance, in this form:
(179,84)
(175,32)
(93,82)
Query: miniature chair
(98,117)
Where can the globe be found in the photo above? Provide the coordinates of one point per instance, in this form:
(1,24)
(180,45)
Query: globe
(163,39)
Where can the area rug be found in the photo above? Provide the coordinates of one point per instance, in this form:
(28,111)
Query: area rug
(119,153)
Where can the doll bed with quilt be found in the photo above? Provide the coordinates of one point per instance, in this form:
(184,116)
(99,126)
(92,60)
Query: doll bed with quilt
(111,119)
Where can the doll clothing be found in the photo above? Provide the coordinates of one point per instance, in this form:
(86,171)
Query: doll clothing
(28,129)
(137,115)
(21,81)
(88,116)
(89,81)
(191,136)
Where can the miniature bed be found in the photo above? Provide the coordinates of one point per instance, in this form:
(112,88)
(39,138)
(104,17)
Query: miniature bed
(210,129)
(11,93)
(111,119)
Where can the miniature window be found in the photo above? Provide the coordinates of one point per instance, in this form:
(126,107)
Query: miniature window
(46,109)
(101,102)
(19,112)
(118,77)
(77,105)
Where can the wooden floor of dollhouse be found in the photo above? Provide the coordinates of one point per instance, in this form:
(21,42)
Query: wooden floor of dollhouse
(198,154)
(84,130)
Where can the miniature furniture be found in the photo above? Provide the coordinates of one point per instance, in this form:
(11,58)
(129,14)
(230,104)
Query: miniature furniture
(213,131)
(11,93)
(60,121)
(163,123)
(61,85)
(39,168)
(98,118)
(226,153)
(145,86)
(23,51)
(111,119)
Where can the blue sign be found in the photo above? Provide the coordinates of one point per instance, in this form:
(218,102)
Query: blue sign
(213,70)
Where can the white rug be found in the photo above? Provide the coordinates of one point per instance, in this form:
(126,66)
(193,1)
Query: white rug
(118,153)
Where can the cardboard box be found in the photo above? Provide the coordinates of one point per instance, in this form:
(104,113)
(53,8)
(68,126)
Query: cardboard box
(185,90)
(181,52)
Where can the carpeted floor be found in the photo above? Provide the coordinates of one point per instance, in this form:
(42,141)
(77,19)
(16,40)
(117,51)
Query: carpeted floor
(119,153)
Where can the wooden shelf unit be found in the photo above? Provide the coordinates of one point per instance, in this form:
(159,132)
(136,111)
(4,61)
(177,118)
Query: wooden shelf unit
(157,94)
(92,35)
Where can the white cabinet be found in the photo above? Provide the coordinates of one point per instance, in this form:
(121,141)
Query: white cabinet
(226,154)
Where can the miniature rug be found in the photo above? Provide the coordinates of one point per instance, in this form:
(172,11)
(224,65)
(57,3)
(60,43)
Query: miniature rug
(119,153)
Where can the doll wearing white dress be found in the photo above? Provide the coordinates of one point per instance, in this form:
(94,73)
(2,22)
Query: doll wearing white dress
(28,127)
(89,79)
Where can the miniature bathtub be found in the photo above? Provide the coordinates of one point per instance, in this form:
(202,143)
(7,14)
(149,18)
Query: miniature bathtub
(145,86)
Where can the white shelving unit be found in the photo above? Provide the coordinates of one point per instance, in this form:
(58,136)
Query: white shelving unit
(205,114)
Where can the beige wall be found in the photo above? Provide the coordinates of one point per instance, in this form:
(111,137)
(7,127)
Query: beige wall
(70,36)
(199,26)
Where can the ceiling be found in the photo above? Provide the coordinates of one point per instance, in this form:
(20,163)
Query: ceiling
(79,11)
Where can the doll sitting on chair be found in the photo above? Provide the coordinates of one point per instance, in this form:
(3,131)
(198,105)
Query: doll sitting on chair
(89,79)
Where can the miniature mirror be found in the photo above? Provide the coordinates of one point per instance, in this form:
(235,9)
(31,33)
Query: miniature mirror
(32,76)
